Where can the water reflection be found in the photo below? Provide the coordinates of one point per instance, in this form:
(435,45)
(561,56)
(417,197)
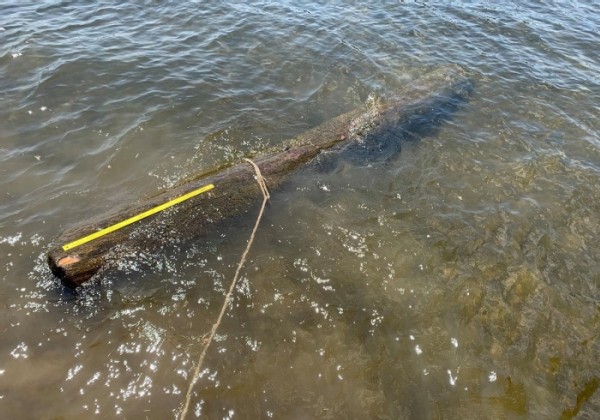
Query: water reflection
(457,279)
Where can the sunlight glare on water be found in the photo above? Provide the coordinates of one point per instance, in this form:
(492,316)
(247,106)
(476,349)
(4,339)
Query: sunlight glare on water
(457,279)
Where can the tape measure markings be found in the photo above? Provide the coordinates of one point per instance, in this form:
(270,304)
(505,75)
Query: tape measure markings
(136,218)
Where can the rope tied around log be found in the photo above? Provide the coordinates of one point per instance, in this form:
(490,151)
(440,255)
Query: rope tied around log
(265,192)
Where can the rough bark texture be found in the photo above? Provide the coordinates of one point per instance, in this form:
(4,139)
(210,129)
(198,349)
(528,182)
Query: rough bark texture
(236,190)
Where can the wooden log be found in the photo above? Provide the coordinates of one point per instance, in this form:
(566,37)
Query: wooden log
(235,189)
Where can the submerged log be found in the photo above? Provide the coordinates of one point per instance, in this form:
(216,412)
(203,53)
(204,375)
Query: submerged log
(235,189)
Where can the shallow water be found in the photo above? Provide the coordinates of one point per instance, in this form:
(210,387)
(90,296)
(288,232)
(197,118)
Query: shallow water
(458,279)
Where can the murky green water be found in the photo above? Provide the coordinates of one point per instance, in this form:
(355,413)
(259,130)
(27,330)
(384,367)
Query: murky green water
(458,279)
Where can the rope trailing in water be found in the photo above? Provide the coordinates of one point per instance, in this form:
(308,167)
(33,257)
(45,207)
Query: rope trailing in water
(265,192)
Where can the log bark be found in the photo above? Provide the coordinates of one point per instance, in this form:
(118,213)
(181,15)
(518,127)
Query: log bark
(235,189)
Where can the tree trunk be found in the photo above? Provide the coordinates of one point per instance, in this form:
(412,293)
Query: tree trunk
(236,191)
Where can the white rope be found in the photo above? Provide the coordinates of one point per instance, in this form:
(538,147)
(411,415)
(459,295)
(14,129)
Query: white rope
(265,192)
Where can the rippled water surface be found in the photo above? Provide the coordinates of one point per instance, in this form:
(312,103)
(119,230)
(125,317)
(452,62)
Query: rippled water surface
(458,279)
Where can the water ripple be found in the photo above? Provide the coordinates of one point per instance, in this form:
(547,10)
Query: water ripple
(462,272)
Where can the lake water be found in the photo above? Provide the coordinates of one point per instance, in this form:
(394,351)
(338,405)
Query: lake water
(459,279)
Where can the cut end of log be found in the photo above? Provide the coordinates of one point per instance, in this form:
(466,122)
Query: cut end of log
(72,270)
(65,261)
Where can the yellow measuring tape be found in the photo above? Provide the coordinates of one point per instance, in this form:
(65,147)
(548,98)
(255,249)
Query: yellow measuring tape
(134,219)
